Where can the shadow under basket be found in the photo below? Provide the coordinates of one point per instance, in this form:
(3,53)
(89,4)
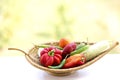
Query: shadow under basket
(33,58)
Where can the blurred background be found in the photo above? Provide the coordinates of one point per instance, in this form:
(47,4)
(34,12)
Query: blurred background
(27,22)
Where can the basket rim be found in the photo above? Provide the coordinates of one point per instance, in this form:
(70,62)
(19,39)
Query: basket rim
(32,62)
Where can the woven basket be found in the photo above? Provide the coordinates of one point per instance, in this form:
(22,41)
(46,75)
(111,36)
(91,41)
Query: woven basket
(33,58)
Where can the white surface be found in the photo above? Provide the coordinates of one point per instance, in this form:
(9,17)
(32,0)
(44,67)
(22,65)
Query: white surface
(17,68)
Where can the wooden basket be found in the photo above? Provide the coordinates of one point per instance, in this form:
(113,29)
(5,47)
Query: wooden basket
(33,58)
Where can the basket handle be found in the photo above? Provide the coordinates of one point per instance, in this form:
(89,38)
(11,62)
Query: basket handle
(18,50)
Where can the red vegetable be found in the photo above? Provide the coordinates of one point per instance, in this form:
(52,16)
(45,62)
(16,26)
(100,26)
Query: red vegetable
(75,60)
(50,56)
(68,49)
(63,42)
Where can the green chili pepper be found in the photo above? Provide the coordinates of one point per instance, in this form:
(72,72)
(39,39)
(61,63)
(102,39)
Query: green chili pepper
(80,45)
(46,46)
(43,46)
(59,47)
(83,48)
(60,65)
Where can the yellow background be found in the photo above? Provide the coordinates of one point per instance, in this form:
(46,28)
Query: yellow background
(27,22)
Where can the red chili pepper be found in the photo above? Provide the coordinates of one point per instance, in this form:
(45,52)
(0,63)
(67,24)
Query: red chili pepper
(50,56)
(75,60)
